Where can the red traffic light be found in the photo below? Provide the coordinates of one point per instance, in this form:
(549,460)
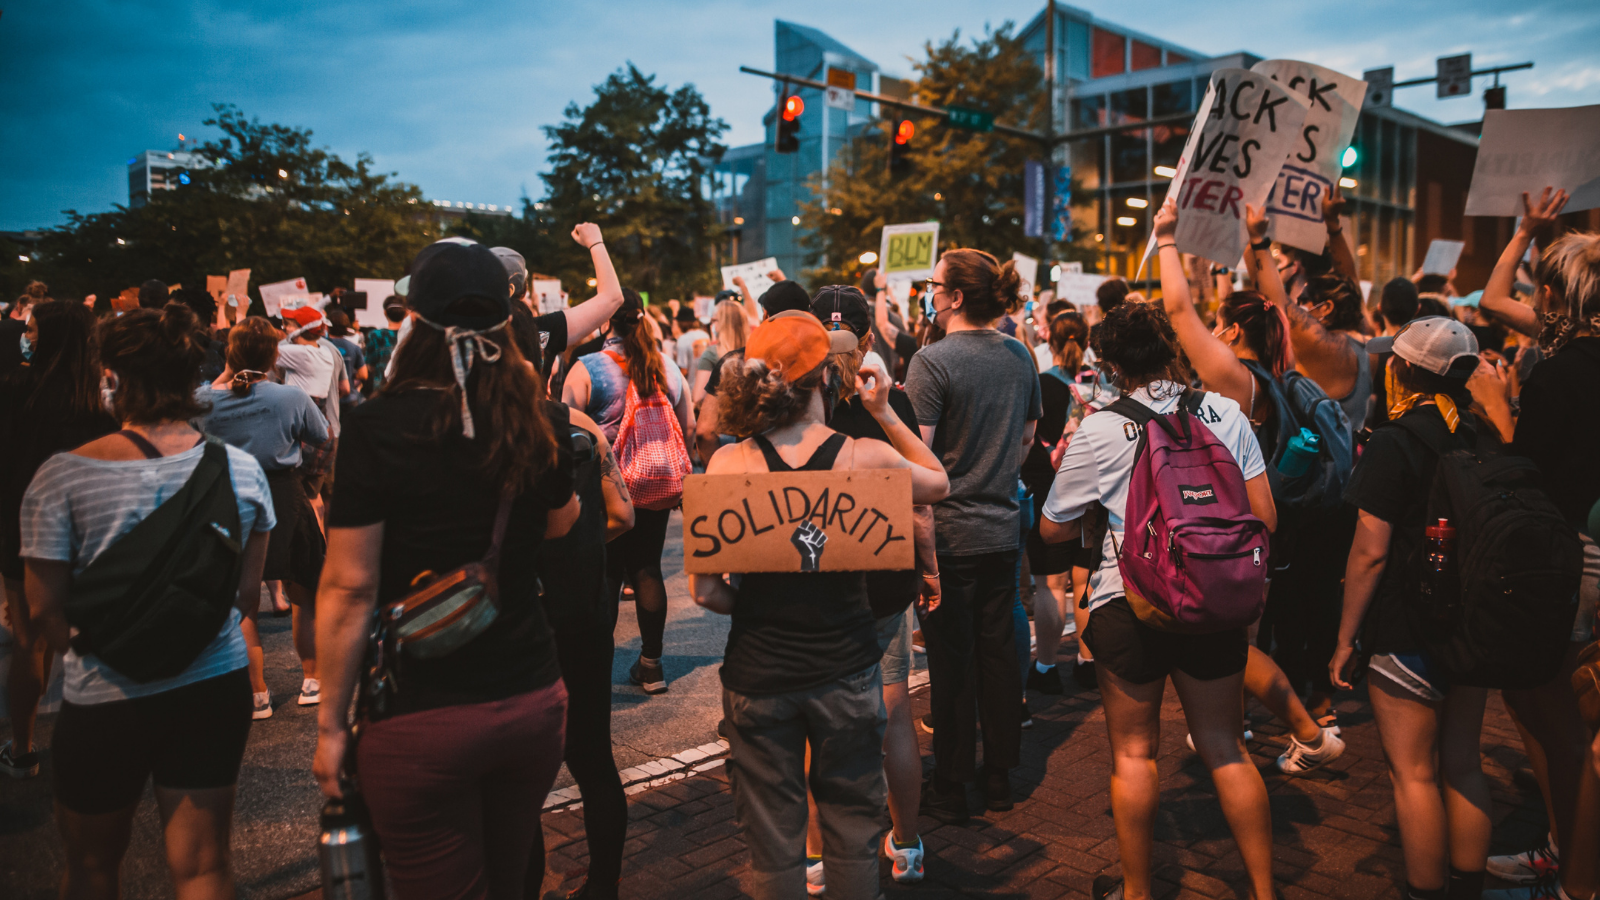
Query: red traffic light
(793,106)
(904,133)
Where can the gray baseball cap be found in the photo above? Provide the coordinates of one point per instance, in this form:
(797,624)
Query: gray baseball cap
(1433,343)
(516,269)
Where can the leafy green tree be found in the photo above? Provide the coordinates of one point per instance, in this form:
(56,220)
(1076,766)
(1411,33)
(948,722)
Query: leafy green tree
(267,200)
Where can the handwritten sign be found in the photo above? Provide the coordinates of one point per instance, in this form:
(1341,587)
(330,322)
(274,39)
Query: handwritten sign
(1241,136)
(909,251)
(1529,149)
(1333,104)
(843,521)
(754,275)
(377,291)
(282,295)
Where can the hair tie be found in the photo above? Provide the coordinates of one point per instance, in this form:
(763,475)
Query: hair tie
(466,347)
(1268,304)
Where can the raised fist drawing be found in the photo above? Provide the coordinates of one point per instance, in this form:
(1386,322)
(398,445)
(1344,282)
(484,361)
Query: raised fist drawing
(808,539)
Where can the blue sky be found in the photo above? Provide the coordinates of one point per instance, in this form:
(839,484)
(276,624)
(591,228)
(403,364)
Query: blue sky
(452,94)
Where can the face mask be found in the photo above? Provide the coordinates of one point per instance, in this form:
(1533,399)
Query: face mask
(927,303)
(27,349)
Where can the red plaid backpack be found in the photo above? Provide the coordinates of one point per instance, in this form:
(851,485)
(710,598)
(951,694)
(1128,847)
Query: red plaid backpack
(650,448)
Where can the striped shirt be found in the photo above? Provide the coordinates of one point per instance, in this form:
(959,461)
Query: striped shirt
(77,507)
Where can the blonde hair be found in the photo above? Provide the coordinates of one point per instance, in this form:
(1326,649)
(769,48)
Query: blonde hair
(1570,269)
(732,325)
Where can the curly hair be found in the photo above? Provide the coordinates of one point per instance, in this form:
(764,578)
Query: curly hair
(156,356)
(1138,341)
(754,399)
(988,288)
(1345,295)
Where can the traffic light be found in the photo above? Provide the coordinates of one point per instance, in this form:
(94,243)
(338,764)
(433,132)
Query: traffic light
(900,147)
(789,124)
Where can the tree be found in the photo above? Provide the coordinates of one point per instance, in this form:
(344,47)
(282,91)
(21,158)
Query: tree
(970,182)
(264,199)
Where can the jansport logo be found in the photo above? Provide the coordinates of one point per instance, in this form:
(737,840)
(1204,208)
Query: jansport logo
(1197,494)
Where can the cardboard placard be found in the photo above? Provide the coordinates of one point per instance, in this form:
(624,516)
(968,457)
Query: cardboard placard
(237,294)
(1240,138)
(1079,288)
(1333,103)
(1442,257)
(754,275)
(377,291)
(840,521)
(281,295)
(1530,149)
(910,250)
(217,287)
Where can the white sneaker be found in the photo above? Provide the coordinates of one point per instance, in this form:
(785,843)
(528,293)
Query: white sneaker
(1544,889)
(310,692)
(814,882)
(1527,867)
(1299,758)
(1189,738)
(907,861)
(263,705)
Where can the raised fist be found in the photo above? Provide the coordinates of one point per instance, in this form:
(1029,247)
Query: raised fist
(808,539)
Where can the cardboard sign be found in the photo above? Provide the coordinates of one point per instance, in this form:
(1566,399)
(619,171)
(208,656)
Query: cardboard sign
(238,293)
(1028,269)
(843,521)
(1530,149)
(377,290)
(547,296)
(754,275)
(1079,288)
(127,301)
(909,251)
(1333,103)
(217,287)
(1240,138)
(1442,256)
(281,295)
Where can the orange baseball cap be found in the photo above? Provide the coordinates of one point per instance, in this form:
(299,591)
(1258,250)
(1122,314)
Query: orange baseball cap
(795,342)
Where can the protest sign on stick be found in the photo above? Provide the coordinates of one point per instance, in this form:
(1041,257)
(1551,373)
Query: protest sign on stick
(1333,104)
(755,275)
(1531,149)
(839,521)
(910,250)
(1240,138)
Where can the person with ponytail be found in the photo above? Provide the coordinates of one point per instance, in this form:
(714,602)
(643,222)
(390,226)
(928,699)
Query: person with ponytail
(599,386)
(1241,359)
(977,399)
(270,421)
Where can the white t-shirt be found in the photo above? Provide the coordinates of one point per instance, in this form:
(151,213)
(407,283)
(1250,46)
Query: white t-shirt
(1099,462)
(309,367)
(685,348)
(1043,358)
(77,507)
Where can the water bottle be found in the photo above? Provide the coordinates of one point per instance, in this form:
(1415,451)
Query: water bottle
(351,868)
(1299,453)
(1440,587)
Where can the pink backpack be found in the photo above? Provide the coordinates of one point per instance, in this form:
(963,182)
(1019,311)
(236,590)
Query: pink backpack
(651,453)
(1193,557)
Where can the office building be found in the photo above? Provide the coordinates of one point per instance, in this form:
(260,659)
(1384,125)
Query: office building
(159,170)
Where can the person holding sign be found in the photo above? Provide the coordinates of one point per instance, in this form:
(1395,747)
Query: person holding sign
(801,663)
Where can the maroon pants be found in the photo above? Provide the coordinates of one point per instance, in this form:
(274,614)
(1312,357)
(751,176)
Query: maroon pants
(456,792)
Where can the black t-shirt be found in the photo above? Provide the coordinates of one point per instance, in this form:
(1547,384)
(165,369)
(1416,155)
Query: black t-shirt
(437,508)
(552,337)
(1559,428)
(889,593)
(573,566)
(28,437)
(1037,472)
(715,380)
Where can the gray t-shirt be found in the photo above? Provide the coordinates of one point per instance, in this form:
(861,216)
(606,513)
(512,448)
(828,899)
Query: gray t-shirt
(268,423)
(980,389)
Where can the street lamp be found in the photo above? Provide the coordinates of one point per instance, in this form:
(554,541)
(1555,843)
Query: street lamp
(868,258)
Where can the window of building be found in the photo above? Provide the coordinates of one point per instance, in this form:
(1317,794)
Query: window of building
(1077,48)
(1130,151)
(1109,54)
(1174,59)
(1145,56)
(1167,140)
(1089,112)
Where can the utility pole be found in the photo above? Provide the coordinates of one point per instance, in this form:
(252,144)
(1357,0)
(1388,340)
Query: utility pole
(1050,134)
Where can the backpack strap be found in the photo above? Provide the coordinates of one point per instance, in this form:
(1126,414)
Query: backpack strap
(502,519)
(1437,445)
(1142,415)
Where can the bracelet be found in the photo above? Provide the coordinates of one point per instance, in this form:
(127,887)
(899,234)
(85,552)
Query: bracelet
(1173,245)
(1263,244)
(594,245)
(1339,230)
(934,575)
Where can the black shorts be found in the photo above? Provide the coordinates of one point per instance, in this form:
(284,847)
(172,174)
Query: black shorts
(1137,653)
(296,548)
(1049,559)
(188,738)
(11,556)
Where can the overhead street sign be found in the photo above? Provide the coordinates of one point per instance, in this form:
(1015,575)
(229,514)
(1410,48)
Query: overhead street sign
(970,119)
(1455,76)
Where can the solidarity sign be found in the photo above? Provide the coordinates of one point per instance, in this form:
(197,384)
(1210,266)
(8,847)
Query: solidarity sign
(1333,103)
(844,521)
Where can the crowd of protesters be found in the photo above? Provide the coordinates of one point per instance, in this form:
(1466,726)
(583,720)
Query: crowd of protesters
(451,506)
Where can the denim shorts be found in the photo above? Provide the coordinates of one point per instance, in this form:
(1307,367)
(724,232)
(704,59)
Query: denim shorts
(894,639)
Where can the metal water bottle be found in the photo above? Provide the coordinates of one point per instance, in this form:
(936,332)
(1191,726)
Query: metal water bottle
(1299,453)
(348,848)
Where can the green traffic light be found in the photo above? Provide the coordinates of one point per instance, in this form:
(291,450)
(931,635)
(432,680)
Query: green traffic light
(1349,158)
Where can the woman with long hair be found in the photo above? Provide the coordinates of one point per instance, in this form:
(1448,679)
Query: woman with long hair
(631,361)
(1134,660)
(270,421)
(801,666)
(730,328)
(115,733)
(456,451)
(50,404)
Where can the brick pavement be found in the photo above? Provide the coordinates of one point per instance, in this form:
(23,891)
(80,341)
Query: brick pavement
(1334,829)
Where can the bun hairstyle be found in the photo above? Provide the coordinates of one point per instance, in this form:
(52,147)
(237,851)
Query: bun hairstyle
(1570,268)
(988,288)
(754,399)
(156,356)
(646,369)
(1069,337)
(36,291)
(1137,340)
(1264,325)
(252,351)
(1345,295)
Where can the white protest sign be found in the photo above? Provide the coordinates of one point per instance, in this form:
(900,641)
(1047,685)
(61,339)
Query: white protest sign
(1442,256)
(1028,270)
(1333,103)
(1240,138)
(754,275)
(1075,268)
(282,295)
(1079,288)
(900,293)
(1531,149)
(377,291)
(703,307)
(910,250)
(547,296)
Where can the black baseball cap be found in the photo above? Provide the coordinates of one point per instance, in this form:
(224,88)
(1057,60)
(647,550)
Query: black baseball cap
(784,296)
(448,272)
(842,306)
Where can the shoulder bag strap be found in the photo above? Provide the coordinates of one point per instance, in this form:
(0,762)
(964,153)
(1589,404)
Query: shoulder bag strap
(502,518)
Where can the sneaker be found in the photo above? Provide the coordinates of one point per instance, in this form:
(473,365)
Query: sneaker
(18,765)
(1299,758)
(917,643)
(1107,887)
(263,705)
(1083,674)
(926,723)
(1248,736)
(1546,888)
(1046,682)
(1329,721)
(1027,717)
(944,804)
(814,880)
(310,692)
(1526,867)
(997,790)
(651,678)
(907,861)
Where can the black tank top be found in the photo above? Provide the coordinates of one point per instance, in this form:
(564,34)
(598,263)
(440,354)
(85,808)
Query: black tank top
(797,630)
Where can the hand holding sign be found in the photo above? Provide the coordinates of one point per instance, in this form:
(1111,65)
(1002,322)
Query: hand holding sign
(1540,216)
(1255,223)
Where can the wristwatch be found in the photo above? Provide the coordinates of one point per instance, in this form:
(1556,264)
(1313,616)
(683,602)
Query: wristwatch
(1263,244)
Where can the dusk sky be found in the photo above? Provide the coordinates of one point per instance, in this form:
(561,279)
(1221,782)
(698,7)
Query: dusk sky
(451,95)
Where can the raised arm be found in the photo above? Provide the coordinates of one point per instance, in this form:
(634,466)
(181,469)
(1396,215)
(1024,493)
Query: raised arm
(751,308)
(880,310)
(1213,360)
(1497,300)
(1324,356)
(1332,208)
(590,314)
(1258,262)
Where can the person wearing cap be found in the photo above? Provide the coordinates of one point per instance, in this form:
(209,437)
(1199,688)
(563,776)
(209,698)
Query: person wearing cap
(456,773)
(559,329)
(801,665)
(1430,727)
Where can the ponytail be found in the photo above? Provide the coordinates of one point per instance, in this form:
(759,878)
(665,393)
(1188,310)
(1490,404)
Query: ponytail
(646,369)
(1265,327)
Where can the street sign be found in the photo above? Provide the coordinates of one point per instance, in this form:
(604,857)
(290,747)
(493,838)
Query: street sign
(841,89)
(970,119)
(1380,86)
(1455,75)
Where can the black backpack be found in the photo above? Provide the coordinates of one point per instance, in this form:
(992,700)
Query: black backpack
(1517,563)
(1301,403)
(152,601)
